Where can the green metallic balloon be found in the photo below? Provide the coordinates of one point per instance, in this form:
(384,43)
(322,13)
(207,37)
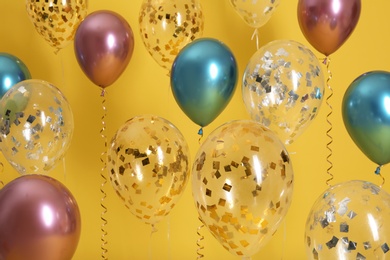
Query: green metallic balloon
(203,79)
(366,114)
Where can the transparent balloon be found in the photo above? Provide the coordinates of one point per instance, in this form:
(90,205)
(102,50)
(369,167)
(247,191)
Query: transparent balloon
(283,88)
(166,26)
(350,220)
(36,126)
(242,185)
(255,13)
(148,160)
(56,21)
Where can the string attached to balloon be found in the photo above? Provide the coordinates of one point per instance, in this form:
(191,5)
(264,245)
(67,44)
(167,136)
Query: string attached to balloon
(326,62)
(255,36)
(378,172)
(103,157)
(199,241)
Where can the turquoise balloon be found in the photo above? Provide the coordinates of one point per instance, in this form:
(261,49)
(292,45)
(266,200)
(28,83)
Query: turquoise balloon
(12,71)
(203,79)
(366,114)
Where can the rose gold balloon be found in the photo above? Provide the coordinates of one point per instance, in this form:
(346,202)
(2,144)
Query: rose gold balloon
(327,24)
(104,44)
(39,220)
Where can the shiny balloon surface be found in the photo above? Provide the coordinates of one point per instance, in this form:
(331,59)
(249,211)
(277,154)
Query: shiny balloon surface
(203,79)
(39,220)
(327,24)
(12,71)
(349,221)
(366,114)
(104,44)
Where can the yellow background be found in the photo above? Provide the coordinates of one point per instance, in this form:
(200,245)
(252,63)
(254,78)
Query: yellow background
(144,89)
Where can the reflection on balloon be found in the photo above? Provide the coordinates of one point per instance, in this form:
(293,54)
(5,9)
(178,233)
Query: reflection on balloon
(350,220)
(255,13)
(36,126)
(39,219)
(203,79)
(166,26)
(12,71)
(365,110)
(327,24)
(242,184)
(282,88)
(104,44)
(56,21)
(148,161)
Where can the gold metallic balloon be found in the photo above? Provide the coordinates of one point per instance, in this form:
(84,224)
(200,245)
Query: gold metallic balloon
(148,162)
(56,21)
(166,26)
(242,184)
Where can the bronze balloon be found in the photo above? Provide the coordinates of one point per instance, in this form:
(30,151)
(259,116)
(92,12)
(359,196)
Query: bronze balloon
(327,24)
(104,44)
(39,220)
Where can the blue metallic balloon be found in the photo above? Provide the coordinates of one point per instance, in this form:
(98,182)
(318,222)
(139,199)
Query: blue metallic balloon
(12,71)
(203,79)
(366,114)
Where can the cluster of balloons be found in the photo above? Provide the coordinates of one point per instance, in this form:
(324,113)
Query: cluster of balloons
(149,166)
(242,185)
(57,21)
(349,221)
(39,219)
(283,88)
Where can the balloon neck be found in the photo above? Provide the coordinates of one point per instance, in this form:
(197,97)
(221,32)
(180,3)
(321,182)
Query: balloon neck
(378,170)
(200,132)
(326,60)
(103,92)
(154,229)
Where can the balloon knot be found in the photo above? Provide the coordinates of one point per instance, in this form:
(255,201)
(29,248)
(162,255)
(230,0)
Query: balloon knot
(103,92)
(200,132)
(325,61)
(378,170)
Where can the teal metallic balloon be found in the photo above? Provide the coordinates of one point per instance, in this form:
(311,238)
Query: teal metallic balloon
(366,114)
(203,79)
(12,71)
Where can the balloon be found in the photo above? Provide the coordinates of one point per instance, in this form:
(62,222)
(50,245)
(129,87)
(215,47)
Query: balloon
(255,13)
(166,26)
(203,79)
(242,185)
(327,24)
(36,126)
(39,220)
(349,221)
(56,21)
(366,114)
(12,71)
(282,88)
(104,44)
(149,164)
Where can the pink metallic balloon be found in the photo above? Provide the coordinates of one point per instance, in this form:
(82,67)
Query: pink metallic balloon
(104,44)
(327,24)
(39,220)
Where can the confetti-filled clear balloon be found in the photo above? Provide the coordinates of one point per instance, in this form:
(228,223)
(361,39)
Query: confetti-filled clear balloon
(350,220)
(36,126)
(166,26)
(148,161)
(56,21)
(283,88)
(255,13)
(242,184)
